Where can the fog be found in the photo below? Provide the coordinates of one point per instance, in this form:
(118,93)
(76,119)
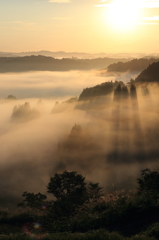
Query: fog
(108,142)
(54,84)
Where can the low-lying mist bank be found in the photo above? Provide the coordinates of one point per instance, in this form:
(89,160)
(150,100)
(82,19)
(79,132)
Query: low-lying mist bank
(54,85)
(108,139)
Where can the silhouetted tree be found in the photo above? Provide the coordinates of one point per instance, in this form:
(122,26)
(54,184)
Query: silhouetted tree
(70,185)
(94,191)
(34,201)
(117,92)
(69,188)
(149,183)
(71,192)
(125,93)
(133,93)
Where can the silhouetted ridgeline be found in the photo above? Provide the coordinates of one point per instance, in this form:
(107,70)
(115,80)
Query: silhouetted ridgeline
(133,65)
(42,63)
(150,74)
(99,90)
(62,54)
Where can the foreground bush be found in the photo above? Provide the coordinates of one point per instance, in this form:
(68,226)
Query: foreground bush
(127,213)
(94,235)
(153,231)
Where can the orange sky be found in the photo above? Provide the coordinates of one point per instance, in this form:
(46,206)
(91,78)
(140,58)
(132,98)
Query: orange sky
(79,25)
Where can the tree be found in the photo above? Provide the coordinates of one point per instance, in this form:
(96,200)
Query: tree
(11,97)
(34,201)
(68,185)
(149,183)
(133,93)
(71,192)
(94,192)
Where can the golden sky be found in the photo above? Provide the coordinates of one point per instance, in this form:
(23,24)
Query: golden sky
(79,25)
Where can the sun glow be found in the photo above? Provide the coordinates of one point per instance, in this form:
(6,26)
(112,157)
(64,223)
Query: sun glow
(123,14)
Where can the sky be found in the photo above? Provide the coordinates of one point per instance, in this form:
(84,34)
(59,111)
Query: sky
(93,26)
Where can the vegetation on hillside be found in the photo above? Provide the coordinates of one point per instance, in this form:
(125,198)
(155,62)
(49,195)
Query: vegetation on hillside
(98,90)
(136,65)
(150,74)
(43,63)
(80,210)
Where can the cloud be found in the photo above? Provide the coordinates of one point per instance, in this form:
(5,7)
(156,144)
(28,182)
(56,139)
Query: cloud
(47,84)
(148,23)
(56,18)
(108,1)
(102,5)
(138,3)
(150,4)
(19,23)
(112,142)
(24,23)
(154,18)
(59,1)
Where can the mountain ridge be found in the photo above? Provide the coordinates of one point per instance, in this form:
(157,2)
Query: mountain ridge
(150,74)
(82,55)
(43,63)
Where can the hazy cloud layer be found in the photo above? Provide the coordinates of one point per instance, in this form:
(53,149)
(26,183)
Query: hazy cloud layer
(58,18)
(59,1)
(113,139)
(53,84)
(154,18)
(138,3)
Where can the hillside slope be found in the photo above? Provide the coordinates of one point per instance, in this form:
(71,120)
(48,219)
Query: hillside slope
(42,63)
(133,65)
(150,74)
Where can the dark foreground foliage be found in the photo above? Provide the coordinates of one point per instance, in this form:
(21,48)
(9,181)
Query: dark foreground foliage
(80,211)
(92,235)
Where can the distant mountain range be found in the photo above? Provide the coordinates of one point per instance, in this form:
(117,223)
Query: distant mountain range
(81,55)
(43,63)
(62,54)
(133,65)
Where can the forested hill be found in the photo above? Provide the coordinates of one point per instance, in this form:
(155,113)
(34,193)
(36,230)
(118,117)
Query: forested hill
(42,63)
(150,74)
(99,90)
(133,65)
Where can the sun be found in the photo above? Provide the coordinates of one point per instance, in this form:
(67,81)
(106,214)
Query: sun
(123,14)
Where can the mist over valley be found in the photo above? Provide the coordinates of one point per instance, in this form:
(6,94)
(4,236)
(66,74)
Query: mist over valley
(103,126)
(79,120)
